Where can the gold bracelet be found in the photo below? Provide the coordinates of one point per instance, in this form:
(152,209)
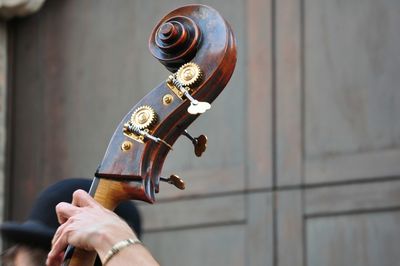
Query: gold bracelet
(118,247)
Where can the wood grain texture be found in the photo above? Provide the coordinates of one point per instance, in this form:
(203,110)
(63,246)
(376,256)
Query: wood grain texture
(197,212)
(223,245)
(202,182)
(212,47)
(259,94)
(351,88)
(360,240)
(289,226)
(322,109)
(356,197)
(260,246)
(238,242)
(353,166)
(30,113)
(289,130)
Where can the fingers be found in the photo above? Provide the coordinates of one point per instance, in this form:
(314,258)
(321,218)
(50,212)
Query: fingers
(55,261)
(59,244)
(58,233)
(64,211)
(81,198)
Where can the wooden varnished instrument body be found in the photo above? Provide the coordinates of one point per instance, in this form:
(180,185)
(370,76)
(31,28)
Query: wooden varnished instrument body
(193,33)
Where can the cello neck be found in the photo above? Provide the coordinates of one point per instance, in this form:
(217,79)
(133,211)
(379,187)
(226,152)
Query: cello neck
(109,193)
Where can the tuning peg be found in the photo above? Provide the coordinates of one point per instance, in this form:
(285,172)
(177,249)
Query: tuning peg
(199,143)
(196,107)
(174,180)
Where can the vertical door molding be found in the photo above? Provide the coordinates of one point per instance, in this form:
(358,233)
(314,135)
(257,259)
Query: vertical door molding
(289,228)
(289,133)
(260,245)
(259,93)
(288,93)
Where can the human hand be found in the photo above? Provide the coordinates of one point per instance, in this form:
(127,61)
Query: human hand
(87,225)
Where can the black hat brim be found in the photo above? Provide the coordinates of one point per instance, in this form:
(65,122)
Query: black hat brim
(30,233)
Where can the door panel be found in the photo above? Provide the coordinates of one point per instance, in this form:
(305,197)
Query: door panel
(238,239)
(337,138)
(351,89)
(367,239)
(194,213)
(350,198)
(208,246)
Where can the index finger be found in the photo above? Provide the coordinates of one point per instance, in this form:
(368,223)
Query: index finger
(81,198)
(64,211)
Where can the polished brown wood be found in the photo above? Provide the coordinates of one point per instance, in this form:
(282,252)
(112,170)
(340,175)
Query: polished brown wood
(215,54)
(131,169)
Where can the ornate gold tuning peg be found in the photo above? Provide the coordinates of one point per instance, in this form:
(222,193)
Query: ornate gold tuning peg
(199,143)
(174,180)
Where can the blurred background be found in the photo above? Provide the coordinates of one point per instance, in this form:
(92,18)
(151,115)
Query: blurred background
(303,157)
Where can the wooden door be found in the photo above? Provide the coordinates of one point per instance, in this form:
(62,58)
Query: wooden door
(337,99)
(79,66)
(302,162)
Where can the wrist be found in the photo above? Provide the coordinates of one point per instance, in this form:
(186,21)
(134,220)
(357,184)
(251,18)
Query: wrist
(104,242)
(118,247)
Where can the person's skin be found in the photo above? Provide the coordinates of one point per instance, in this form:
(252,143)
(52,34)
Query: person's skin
(23,257)
(87,225)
